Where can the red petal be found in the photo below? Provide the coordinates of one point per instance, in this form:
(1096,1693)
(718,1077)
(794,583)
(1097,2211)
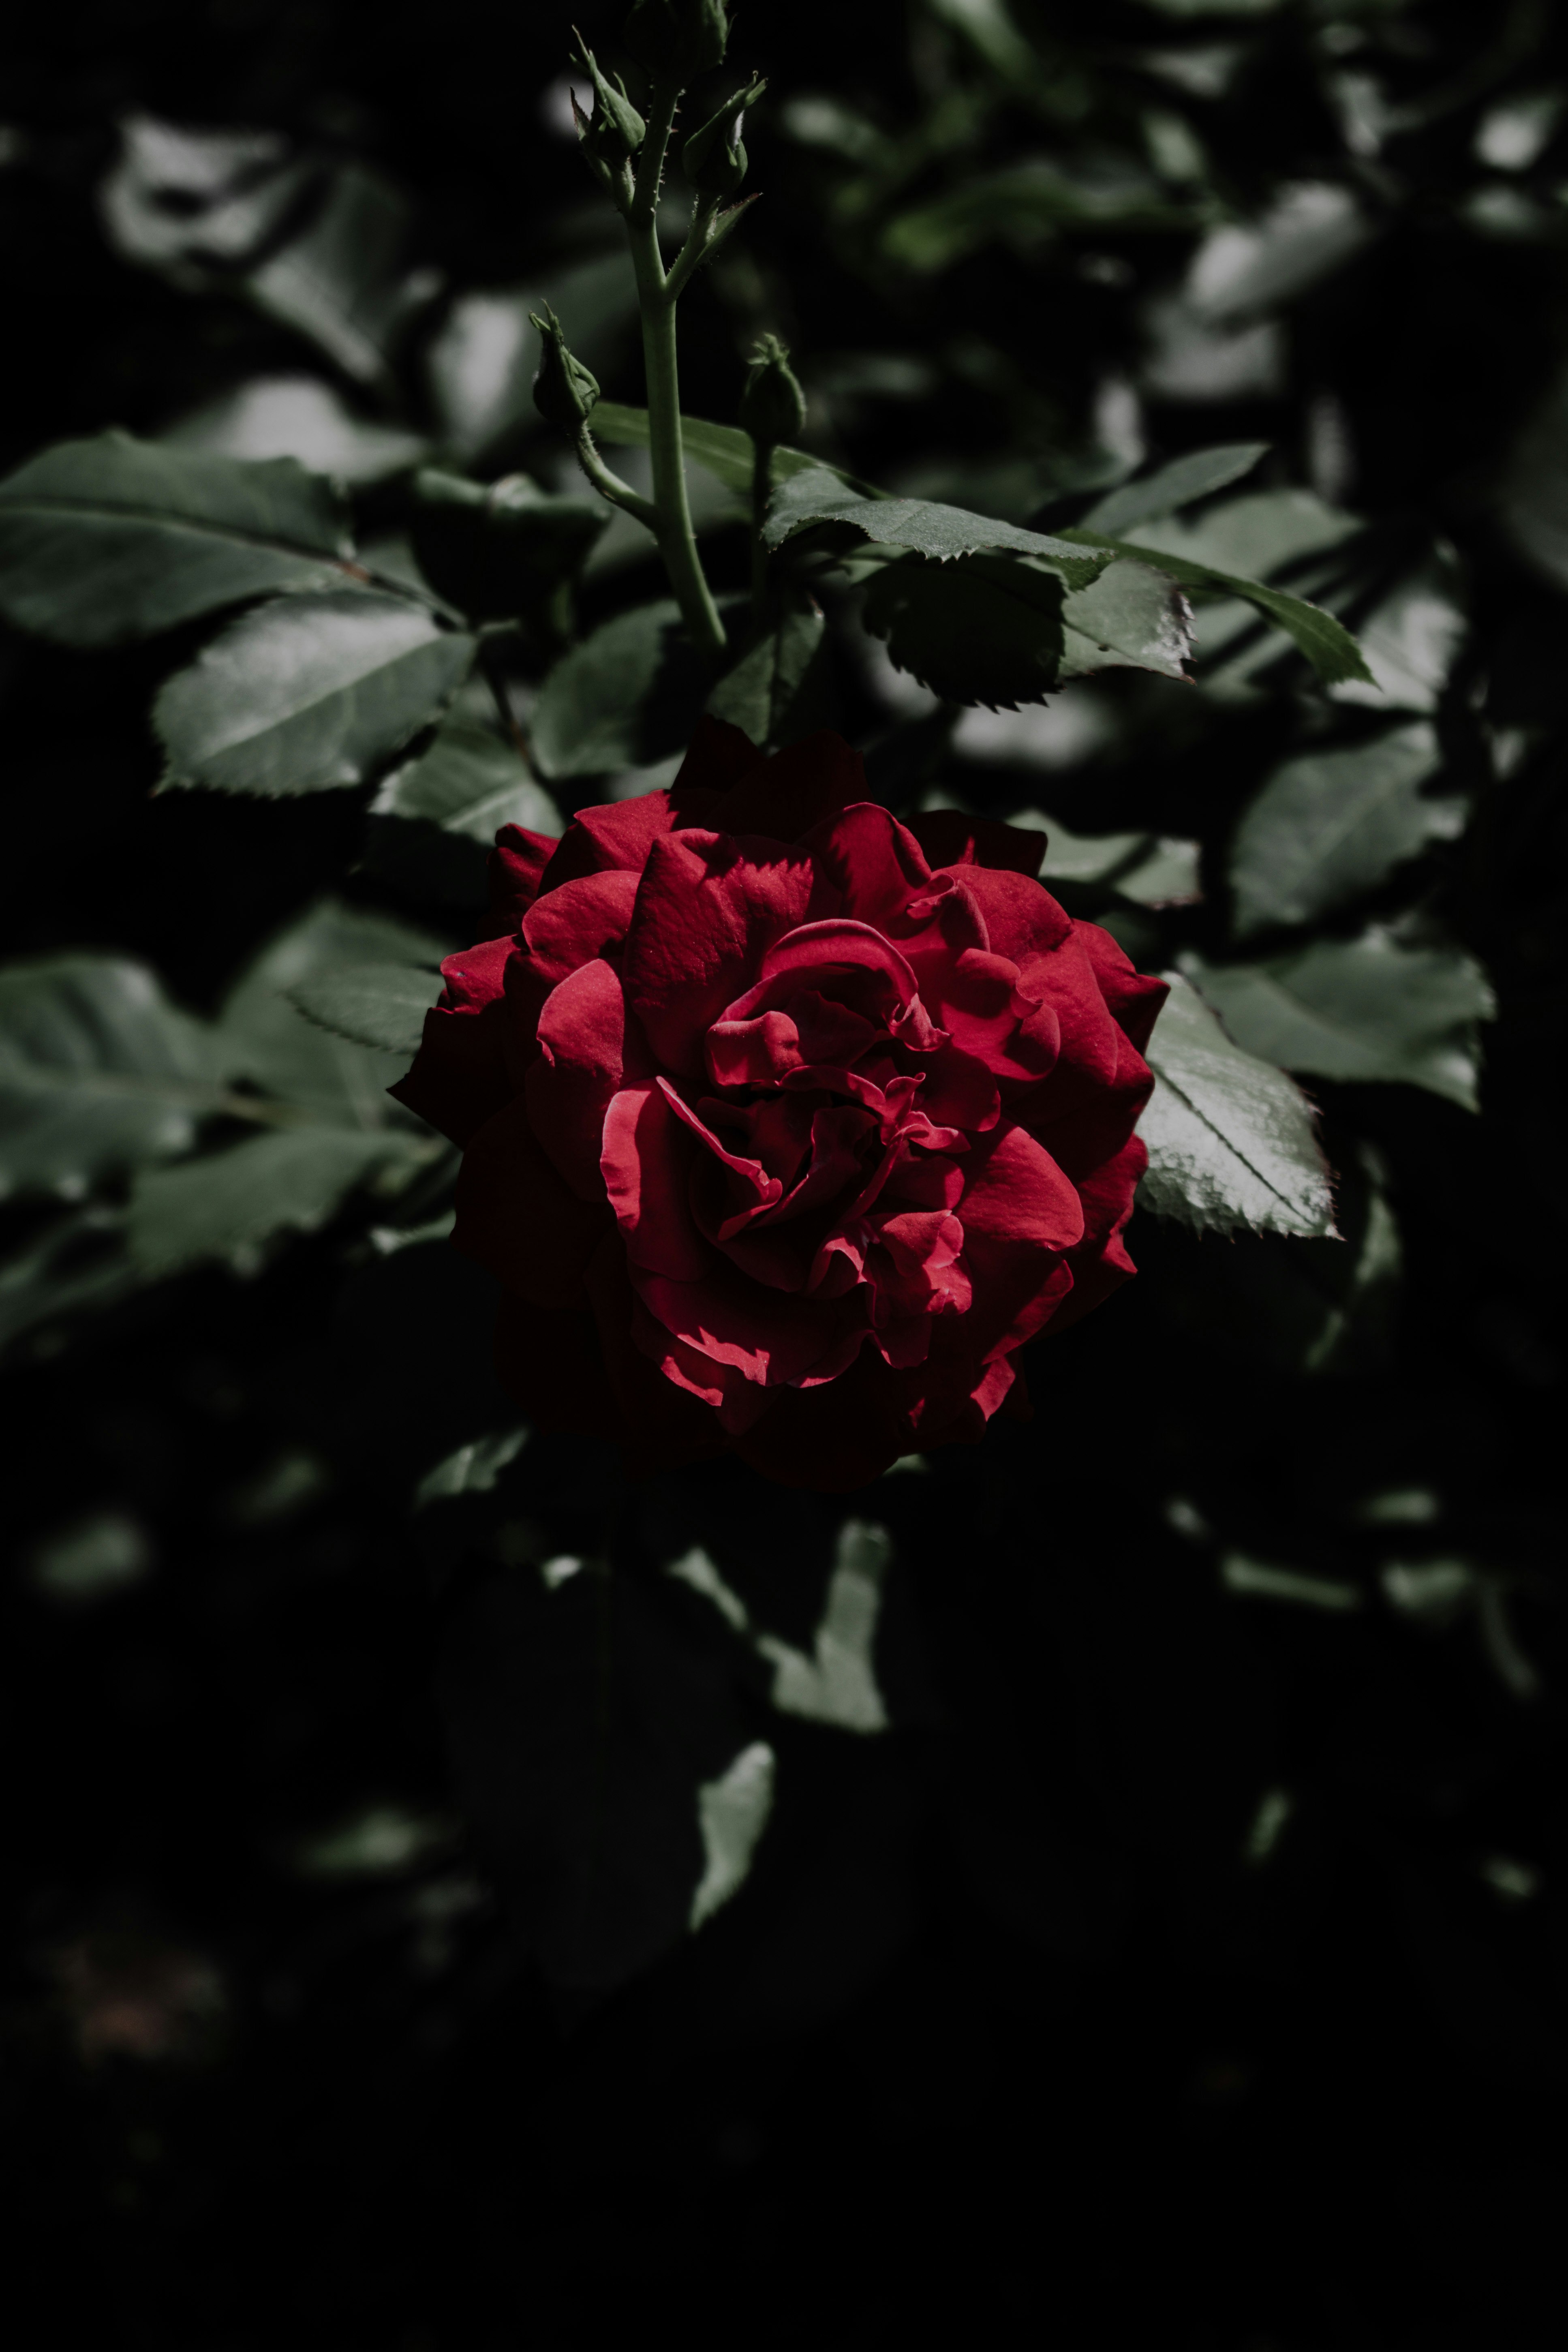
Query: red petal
(950,838)
(783,797)
(719,755)
(645,1160)
(613,838)
(872,860)
(708,907)
(582,1066)
(517,865)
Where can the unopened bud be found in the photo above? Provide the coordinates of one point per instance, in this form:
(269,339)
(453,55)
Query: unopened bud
(773,405)
(565,390)
(677,39)
(615,130)
(713,158)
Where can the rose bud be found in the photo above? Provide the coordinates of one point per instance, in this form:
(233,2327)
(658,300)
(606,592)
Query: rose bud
(785,1125)
(773,405)
(713,158)
(615,130)
(565,392)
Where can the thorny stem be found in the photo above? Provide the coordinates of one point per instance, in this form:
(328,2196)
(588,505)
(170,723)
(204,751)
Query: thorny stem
(669,518)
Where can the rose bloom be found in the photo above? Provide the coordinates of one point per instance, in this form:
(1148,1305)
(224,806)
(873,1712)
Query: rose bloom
(784,1124)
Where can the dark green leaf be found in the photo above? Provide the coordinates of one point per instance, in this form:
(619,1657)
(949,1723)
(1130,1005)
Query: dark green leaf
(380,1004)
(342,1084)
(433,820)
(499,552)
(777,691)
(1409,640)
(1196,476)
(1230,1136)
(1131,617)
(106,540)
(225,1204)
(1327,643)
(342,280)
(1330,824)
(622,699)
(81,1261)
(308,693)
(98,1071)
(724,450)
(1025,204)
(985,628)
(1533,499)
(1366,1008)
(939,532)
(584,1730)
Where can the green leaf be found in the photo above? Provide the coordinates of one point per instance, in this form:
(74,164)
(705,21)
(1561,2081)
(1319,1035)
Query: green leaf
(1196,476)
(1366,1008)
(622,699)
(341,280)
(985,628)
(1330,824)
(1257,535)
(1131,617)
(1230,1137)
(297,417)
(1327,643)
(380,1004)
(836,1683)
(724,450)
(434,819)
(308,693)
(1151,869)
(107,540)
(776,692)
(81,1261)
(1024,206)
(938,533)
(98,1071)
(469,781)
(1409,640)
(226,1204)
(1311,228)
(264,1036)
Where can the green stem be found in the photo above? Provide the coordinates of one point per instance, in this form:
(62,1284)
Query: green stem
(611,486)
(655,299)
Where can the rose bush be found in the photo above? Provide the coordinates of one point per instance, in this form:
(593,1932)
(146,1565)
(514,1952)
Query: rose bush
(784,1124)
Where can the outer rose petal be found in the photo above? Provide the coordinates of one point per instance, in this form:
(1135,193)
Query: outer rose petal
(783,797)
(517,1217)
(614,838)
(581,1067)
(550,1361)
(1132,997)
(718,756)
(708,907)
(578,921)
(517,865)
(950,838)
(645,1158)
(459,1078)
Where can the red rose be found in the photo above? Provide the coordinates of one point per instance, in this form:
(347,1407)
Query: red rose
(809,1117)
